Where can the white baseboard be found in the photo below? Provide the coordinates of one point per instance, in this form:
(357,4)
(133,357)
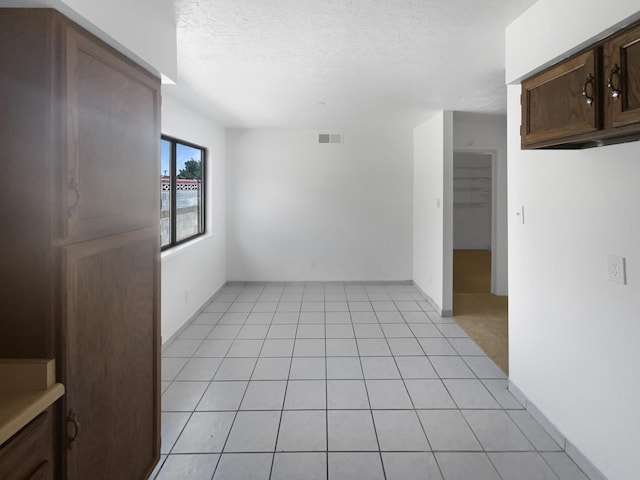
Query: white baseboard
(319,282)
(252,283)
(165,343)
(433,303)
(589,469)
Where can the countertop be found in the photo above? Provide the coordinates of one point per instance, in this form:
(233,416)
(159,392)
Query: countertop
(27,388)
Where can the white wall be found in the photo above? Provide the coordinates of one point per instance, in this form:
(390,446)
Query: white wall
(541,36)
(476,132)
(433,209)
(144,30)
(573,336)
(197,267)
(299,210)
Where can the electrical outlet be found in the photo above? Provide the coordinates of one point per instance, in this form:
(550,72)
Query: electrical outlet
(616,269)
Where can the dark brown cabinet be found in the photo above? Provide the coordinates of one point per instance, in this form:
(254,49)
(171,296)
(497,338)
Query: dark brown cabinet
(590,99)
(79,129)
(555,106)
(622,82)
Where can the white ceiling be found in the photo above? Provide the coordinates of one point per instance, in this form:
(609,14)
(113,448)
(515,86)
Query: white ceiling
(263,63)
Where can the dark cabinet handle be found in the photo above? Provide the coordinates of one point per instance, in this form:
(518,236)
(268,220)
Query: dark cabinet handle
(615,91)
(73,187)
(588,98)
(73,428)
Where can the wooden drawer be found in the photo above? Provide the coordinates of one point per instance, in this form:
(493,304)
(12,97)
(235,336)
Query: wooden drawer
(28,455)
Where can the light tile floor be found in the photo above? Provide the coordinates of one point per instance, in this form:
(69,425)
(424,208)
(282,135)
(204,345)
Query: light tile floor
(341,381)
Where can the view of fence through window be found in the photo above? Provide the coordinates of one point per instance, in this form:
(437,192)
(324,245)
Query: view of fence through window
(182,175)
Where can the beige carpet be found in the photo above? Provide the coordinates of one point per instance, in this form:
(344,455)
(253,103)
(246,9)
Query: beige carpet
(482,315)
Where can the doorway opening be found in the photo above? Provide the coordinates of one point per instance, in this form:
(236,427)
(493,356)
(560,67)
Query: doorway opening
(480,313)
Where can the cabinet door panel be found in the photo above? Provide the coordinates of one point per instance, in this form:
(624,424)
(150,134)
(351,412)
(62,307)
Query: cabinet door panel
(554,106)
(112,355)
(622,67)
(113,142)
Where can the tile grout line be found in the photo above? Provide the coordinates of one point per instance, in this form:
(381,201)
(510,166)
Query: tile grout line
(415,410)
(197,403)
(284,398)
(224,446)
(193,411)
(366,388)
(236,413)
(326,392)
(456,403)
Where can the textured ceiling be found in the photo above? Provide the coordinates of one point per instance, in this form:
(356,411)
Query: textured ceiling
(261,63)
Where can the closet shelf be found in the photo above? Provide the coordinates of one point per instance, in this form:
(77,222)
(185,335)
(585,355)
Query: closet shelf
(472,189)
(470,204)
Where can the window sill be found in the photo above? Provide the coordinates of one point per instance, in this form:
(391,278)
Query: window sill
(187,245)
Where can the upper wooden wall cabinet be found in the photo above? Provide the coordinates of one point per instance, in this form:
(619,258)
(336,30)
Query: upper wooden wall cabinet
(588,100)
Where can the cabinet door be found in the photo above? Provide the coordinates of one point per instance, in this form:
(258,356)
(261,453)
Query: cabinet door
(111,363)
(113,141)
(562,101)
(622,70)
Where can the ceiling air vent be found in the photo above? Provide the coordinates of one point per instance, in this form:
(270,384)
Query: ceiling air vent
(329,138)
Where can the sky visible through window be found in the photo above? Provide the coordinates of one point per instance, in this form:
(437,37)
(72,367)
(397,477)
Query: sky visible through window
(165,164)
(183,153)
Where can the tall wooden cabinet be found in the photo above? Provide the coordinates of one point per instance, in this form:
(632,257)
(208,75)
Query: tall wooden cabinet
(80,254)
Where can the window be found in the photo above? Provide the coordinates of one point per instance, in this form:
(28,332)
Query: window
(183,179)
